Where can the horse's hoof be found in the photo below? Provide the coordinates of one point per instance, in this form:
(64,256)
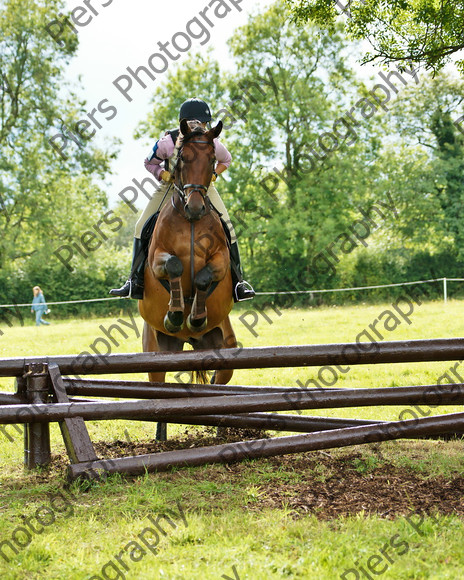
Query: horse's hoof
(174,323)
(197,325)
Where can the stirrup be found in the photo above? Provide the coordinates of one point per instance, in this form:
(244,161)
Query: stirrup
(247,288)
(136,290)
(129,290)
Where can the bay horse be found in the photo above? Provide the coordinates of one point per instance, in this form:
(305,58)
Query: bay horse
(188,283)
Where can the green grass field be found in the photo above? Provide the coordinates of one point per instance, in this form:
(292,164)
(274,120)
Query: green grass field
(224,521)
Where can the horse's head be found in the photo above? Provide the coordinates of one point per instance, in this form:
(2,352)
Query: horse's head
(195,167)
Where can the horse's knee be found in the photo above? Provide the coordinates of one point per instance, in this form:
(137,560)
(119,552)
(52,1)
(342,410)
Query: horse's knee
(204,278)
(174,267)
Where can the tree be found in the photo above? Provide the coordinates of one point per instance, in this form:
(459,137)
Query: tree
(301,169)
(427,122)
(200,76)
(426,32)
(295,181)
(45,200)
(304,168)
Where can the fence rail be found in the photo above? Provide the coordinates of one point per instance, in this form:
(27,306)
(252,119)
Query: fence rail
(42,396)
(438,349)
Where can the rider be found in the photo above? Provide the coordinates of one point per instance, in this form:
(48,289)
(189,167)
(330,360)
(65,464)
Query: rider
(197,113)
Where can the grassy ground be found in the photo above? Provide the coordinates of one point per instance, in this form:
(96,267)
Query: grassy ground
(224,522)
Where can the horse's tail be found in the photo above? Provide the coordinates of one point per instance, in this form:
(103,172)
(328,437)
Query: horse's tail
(200,377)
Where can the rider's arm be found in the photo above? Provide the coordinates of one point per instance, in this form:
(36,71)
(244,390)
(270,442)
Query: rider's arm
(163,149)
(223,157)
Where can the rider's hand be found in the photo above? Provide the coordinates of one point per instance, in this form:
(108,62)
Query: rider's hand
(166,176)
(215,176)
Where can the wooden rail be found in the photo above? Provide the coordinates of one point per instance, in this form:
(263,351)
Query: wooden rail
(42,396)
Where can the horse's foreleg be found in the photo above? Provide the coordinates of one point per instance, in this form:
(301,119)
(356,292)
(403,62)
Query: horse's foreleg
(172,267)
(197,319)
(214,271)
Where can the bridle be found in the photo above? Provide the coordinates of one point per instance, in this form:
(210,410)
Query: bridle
(202,189)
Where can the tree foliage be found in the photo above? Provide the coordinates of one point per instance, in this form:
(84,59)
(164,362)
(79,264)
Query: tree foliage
(426,32)
(304,166)
(290,86)
(45,201)
(427,121)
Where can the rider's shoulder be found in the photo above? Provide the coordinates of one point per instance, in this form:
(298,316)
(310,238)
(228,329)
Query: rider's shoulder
(170,135)
(173,134)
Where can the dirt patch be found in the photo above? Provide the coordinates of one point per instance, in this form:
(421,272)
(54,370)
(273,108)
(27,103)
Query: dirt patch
(188,439)
(334,487)
(327,485)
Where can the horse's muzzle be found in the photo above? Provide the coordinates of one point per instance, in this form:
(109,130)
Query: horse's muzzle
(195,213)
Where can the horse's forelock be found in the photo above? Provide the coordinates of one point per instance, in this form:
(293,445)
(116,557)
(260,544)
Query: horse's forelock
(195,133)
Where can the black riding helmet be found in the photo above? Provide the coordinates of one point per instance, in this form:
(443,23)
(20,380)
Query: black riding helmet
(195,109)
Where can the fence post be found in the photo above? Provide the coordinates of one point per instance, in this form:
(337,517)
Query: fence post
(37,435)
(445,290)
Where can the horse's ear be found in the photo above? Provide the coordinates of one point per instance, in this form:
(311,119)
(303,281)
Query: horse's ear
(217,130)
(184,127)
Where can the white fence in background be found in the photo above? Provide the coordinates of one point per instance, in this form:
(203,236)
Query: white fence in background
(443,280)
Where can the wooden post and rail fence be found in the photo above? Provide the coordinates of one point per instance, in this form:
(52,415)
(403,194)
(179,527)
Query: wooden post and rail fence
(46,392)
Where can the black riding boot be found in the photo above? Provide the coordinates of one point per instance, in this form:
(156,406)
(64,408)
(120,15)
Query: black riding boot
(133,288)
(242,290)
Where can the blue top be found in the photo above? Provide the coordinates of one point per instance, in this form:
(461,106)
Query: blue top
(38,302)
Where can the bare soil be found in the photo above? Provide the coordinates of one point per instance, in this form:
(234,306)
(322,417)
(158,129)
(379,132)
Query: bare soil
(327,485)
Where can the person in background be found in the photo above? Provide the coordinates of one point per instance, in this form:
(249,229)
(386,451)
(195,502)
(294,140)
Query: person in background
(39,306)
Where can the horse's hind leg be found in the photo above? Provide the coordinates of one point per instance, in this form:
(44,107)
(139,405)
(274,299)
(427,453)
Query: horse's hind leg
(222,377)
(150,344)
(218,338)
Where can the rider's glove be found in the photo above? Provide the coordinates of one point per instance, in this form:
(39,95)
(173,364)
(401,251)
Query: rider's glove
(166,176)
(215,176)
